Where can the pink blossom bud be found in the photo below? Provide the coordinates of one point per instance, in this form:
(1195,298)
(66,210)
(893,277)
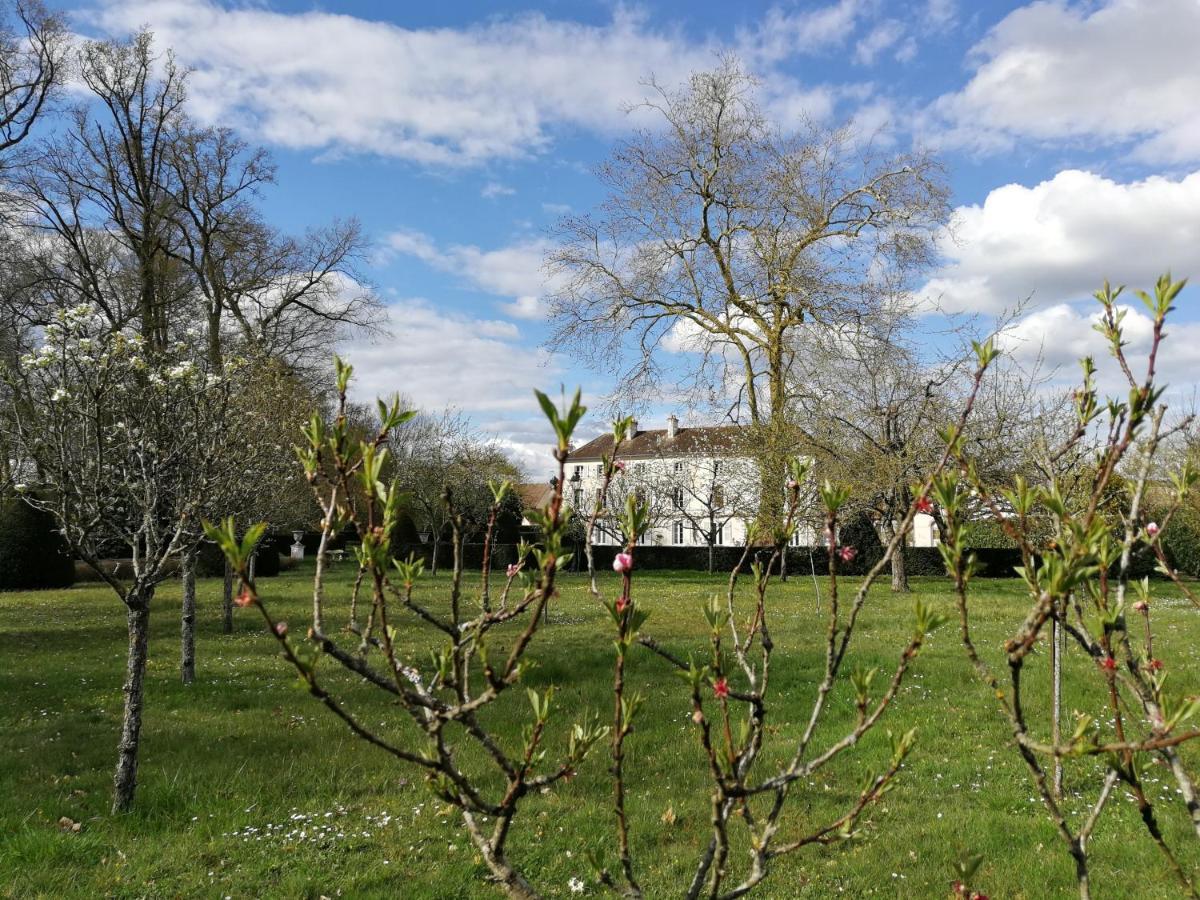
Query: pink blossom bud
(793,484)
(244,597)
(924,505)
(618,466)
(1141,606)
(1156,664)
(623,562)
(281,629)
(1108,663)
(721,688)
(1152,530)
(622,604)
(697,717)
(513,569)
(847,554)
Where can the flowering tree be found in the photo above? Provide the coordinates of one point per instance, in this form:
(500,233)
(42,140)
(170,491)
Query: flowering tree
(124,443)
(1081,581)
(449,694)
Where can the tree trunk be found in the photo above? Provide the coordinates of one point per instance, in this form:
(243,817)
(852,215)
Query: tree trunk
(253,563)
(227,600)
(899,572)
(125,777)
(187,622)
(433,565)
(711,555)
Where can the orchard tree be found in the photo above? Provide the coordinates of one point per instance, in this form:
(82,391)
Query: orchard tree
(728,235)
(444,469)
(124,443)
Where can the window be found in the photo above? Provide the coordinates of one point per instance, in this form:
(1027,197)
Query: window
(677,498)
(679,467)
(578,498)
(716,467)
(718,496)
(678,533)
(578,473)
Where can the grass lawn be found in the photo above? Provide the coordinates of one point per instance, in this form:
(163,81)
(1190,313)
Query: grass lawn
(248,788)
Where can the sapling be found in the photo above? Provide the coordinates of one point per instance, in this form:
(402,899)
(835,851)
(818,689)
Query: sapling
(449,697)
(1081,581)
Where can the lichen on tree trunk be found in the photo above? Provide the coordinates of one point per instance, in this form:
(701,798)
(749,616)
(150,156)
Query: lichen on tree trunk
(138,619)
(187,619)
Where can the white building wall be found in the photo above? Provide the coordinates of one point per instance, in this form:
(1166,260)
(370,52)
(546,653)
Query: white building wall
(656,476)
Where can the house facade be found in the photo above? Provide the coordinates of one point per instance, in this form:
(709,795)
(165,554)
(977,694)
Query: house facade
(700,485)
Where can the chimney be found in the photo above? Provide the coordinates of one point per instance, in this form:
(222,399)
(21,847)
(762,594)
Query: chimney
(672,426)
(633,428)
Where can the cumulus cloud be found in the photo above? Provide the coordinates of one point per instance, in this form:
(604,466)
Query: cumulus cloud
(440,358)
(1113,72)
(499,89)
(514,271)
(1059,240)
(1059,336)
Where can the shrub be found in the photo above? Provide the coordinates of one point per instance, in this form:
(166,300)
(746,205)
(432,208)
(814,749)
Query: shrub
(32,552)
(1181,541)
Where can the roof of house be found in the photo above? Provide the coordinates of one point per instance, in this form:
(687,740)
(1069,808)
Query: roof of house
(655,443)
(536,495)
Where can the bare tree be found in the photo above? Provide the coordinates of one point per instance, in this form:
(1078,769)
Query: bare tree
(444,469)
(33,51)
(727,236)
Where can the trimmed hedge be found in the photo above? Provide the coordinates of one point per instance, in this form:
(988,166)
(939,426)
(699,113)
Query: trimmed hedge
(33,554)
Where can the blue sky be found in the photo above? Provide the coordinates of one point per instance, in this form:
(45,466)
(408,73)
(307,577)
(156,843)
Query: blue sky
(458,133)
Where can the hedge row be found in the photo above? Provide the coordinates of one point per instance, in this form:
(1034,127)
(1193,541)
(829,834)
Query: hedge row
(32,552)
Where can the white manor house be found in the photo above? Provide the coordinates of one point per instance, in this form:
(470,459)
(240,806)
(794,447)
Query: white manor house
(700,486)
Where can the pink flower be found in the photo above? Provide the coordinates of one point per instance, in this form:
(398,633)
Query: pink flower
(623,562)
(1108,663)
(847,554)
(513,569)
(1141,606)
(618,466)
(1152,530)
(281,629)
(793,484)
(924,505)
(1156,664)
(721,688)
(622,604)
(697,716)
(244,597)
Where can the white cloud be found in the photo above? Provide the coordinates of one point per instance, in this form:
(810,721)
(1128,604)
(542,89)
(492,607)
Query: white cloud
(435,95)
(1060,239)
(1113,72)
(441,358)
(494,189)
(813,31)
(556,209)
(880,38)
(498,89)
(514,271)
(1058,337)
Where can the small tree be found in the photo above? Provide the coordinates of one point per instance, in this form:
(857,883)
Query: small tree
(450,694)
(1081,582)
(125,443)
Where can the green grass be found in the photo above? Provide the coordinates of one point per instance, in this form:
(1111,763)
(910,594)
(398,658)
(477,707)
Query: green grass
(248,788)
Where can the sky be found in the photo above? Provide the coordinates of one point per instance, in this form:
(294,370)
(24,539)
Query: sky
(458,133)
